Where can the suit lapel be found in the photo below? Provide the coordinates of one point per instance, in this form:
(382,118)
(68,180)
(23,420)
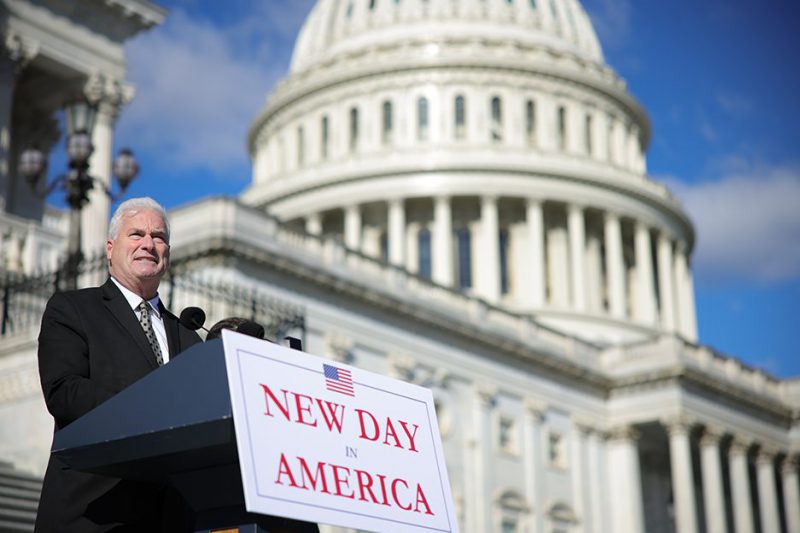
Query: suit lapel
(118,306)
(173,333)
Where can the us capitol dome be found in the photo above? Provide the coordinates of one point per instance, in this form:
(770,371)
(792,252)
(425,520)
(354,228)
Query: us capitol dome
(483,144)
(453,193)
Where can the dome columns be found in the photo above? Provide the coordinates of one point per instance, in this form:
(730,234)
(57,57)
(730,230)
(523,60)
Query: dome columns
(535,266)
(577,246)
(442,241)
(537,255)
(488,266)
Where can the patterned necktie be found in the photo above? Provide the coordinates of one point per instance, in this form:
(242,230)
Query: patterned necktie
(147,326)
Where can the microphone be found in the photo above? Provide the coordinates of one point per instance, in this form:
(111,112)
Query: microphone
(193,318)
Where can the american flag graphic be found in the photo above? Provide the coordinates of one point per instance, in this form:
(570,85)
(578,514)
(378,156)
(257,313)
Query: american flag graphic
(338,380)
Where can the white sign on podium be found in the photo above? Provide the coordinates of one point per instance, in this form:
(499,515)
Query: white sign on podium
(325,442)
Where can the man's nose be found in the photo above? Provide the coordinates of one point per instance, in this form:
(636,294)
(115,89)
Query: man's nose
(147,242)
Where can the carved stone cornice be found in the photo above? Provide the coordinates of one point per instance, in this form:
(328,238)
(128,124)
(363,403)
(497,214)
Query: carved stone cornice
(678,424)
(536,408)
(339,348)
(625,432)
(790,464)
(20,50)
(766,455)
(711,436)
(486,393)
(107,93)
(740,445)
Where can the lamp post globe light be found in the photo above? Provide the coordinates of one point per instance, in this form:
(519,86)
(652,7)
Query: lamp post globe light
(77,182)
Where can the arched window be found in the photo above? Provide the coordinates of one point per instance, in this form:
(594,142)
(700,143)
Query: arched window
(424,246)
(513,511)
(530,121)
(562,127)
(496,128)
(504,274)
(422,119)
(464,244)
(587,134)
(386,130)
(301,147)
(459,118)
(353,129)
(324,134)
(610,139)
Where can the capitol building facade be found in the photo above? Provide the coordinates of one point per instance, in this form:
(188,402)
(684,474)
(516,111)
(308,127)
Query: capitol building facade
(455,193)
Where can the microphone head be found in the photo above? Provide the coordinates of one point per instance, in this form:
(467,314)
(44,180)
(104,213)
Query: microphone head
(253,329)
(192,318)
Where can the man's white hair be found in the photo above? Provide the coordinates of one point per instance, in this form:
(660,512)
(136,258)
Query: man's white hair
(130,208)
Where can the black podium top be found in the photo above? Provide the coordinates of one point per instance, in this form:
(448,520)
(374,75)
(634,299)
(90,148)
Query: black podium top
(175,419)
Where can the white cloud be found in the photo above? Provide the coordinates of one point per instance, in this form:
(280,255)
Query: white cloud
(612,20)
(747,221)
(200,84)
(734,104)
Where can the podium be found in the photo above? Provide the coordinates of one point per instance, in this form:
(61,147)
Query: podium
(175,427)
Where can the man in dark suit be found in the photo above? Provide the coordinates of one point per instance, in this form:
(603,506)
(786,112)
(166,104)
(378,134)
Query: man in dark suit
(94,343)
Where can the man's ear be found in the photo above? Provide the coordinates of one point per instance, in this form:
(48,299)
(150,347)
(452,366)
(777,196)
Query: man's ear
(109,247)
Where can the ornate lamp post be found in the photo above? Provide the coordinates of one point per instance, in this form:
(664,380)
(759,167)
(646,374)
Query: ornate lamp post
(76,182)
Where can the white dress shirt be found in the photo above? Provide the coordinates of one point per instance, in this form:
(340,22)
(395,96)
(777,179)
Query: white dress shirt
(155,316)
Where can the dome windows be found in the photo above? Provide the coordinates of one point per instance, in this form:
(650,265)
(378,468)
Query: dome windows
(496,121)
(324,138)
(353,129)
(561,127)
(422,119)
(387,125)
(530,122)
(459,118)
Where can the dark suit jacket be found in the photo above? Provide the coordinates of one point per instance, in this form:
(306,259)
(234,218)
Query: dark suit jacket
(91,346)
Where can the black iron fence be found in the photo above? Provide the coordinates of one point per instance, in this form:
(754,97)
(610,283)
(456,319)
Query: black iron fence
(24,298)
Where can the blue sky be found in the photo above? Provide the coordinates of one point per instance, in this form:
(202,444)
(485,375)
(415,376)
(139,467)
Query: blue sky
(719,79)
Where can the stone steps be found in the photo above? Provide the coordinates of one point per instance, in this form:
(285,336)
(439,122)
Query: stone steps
(19,499)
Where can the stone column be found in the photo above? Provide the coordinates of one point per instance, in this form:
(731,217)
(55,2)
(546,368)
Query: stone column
(535,221)
(397,231)
(533,454)
(683,288)
(489,260)
(791,493)
(581,487)
(645,297)
(595,482)
(713,494)
(16,52)
(352,227)
(109,96)
(314,224)
(740,487)
(680,454)
(577,249)
(665,277)
(484,399)
(624,481)
(442,242)
(615,267)
(767,494)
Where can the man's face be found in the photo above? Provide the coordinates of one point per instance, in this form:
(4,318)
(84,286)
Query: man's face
(140,253)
